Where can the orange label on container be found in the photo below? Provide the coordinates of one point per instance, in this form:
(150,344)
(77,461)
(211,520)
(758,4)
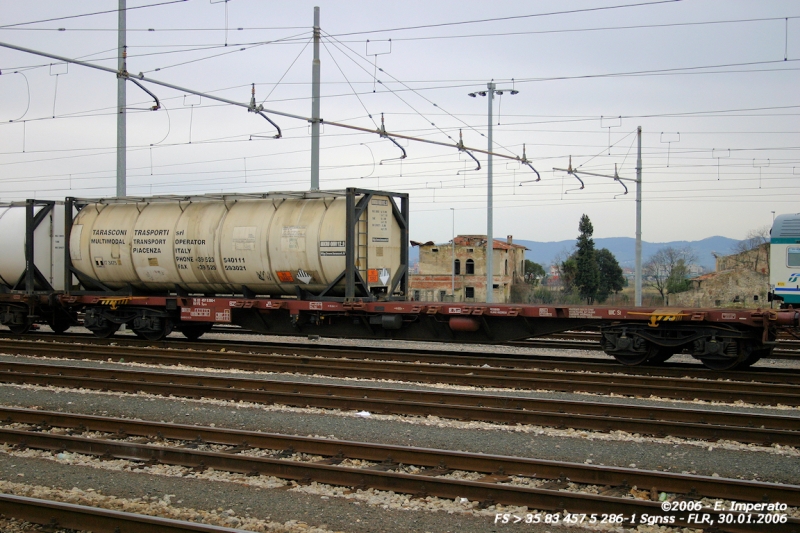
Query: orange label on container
(285,276)
(372,276)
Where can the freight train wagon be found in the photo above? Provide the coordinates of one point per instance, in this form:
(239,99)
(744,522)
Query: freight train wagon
(331,263)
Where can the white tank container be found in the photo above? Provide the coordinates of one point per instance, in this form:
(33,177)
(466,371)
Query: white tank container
(221,244)
(48,241)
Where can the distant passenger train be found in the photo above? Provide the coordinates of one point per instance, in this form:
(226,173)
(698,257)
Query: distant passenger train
(784,260)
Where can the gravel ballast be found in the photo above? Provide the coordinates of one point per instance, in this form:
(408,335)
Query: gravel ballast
(294,509)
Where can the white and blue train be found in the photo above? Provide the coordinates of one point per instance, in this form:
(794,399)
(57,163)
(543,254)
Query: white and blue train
(784,260)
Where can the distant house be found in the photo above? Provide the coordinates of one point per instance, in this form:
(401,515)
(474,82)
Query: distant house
(458,274)
(630,274)
(553,278)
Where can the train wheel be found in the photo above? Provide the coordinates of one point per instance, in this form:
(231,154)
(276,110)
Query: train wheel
(155,334)
(19,329)
(59,324)
(744,352)
(653,355)
(194,331)
(660,356)
(152,335)
(632,359)
(755,356)
(108,329)
(721,364)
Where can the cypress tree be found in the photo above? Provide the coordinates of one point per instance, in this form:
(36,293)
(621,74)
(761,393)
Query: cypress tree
(587,277)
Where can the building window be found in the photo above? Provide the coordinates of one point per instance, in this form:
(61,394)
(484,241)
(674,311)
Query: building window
(470,250)
(457,267)
(469,292)
(506,273)
(434,249)
(442,294)
(470,267)
(416,296)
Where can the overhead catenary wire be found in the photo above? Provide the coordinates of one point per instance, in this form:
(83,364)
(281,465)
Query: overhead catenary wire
(221,54)
(82,15)
(398,88)
(431,37)
(513,17)
(260,110)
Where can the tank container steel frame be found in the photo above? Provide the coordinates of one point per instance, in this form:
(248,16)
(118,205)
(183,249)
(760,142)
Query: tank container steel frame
(356,287)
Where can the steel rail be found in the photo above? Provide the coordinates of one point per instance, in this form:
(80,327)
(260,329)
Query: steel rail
(785,349)
(648,420)
(386,454)
(443,356)
(83,518)
(537,379)
(488,490)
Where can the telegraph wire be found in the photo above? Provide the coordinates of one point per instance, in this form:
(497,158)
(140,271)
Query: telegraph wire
(228,52)
(106,12)
(360,101)
(439,37)
(256,28)
(581,30)
(406,87)
(287,70)
(515,17)
(394,93)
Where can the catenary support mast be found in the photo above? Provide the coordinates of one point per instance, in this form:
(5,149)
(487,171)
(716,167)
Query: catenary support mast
(638,279)
(121,103)
(315,108)
(638,180)
(489,201)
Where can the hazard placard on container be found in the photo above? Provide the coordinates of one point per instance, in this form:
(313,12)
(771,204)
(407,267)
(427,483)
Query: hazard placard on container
(372,276)
(285,276)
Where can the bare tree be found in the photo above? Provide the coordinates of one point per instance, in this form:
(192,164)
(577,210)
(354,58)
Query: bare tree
(748,252)
(564,275)
(667,269)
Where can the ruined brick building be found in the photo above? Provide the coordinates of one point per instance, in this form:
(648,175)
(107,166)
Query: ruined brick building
(441,268)
(740,280)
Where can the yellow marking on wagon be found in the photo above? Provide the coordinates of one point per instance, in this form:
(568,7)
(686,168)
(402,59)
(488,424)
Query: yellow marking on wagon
(661,316)
(114,303)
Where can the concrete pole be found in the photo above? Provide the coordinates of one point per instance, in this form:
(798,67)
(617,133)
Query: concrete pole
(639,218)
(315,111)
(489,199)
(121,103)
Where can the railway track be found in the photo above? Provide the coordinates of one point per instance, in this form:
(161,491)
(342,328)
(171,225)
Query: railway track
(787,348)
(648,420)
(582,340)
(84,518)
(506,480)
(774,388)
(417,355)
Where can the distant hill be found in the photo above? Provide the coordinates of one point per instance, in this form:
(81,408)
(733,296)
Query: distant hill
(623,248)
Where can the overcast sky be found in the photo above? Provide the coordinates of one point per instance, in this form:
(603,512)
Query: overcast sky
(713,84)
